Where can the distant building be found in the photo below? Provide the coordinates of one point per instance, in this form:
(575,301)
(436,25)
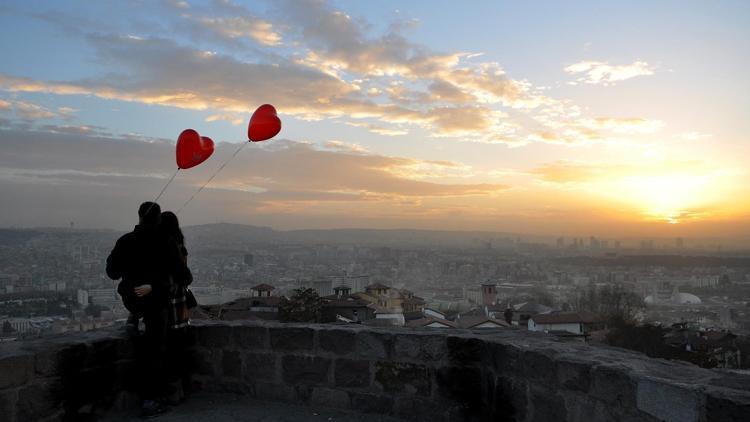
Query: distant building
(572,322)
(83,297)
(104,297)
(432,322)
(489,294)
(248,259)
(480,321)
(262,290)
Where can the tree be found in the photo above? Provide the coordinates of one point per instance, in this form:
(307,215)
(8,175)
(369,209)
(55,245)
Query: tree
(304,305)
(613,303)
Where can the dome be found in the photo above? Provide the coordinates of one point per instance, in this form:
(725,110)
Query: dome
(649,300)
(686,299)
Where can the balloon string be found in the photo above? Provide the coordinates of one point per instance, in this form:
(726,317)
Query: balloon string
(212,177)
(162,190)
(165,186)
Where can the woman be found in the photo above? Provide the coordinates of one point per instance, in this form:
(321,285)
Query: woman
(179,313)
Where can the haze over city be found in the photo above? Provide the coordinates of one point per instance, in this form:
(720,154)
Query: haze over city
(553,119)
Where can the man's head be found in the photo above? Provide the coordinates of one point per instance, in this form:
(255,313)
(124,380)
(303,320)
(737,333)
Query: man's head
(149,214)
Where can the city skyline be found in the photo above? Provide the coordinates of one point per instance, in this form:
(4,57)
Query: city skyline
(576,119)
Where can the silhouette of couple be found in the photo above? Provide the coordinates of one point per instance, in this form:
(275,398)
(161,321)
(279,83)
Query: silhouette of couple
(152,263)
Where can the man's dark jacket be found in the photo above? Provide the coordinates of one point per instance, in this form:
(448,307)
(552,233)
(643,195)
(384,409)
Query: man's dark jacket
(146,256)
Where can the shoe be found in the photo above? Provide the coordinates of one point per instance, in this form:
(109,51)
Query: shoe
(152,409)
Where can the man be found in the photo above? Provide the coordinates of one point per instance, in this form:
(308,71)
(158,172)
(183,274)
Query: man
(148,261)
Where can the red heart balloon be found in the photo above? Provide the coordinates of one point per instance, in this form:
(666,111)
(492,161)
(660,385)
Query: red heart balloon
(193,149)
(264,124)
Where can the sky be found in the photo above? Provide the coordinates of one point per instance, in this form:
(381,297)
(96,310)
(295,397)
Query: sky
(553,118)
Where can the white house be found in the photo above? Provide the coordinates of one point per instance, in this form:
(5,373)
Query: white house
(573,322)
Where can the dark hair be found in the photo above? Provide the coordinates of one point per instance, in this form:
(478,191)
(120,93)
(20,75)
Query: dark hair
(171,226)
(149,213)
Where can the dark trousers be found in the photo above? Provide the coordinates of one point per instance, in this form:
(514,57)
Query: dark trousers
(153,354)
(179,361)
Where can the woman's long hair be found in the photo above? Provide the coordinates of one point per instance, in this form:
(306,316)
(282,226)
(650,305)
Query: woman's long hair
(171,226)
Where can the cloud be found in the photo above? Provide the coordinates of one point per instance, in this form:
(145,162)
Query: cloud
(242,27)
(281,175)
(346,147)
(695,136)
(380,130)
(628,125)
(235,119)
(602,73)
(331,66)
(30,111)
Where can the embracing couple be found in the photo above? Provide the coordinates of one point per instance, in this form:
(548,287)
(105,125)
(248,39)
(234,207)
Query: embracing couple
(152,263)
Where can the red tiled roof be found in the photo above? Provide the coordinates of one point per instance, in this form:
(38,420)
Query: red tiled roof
(264,287)
(423,322)
(473,321)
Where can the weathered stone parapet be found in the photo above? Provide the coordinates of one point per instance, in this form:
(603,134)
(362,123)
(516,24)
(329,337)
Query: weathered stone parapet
(464,375)
(416,374)
(57,378)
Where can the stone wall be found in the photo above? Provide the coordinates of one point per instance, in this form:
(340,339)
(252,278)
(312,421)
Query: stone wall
(66,378)
(424,375)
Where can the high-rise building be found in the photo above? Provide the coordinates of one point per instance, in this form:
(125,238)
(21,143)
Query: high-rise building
(248,259)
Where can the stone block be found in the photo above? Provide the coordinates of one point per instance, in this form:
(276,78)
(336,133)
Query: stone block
(573,373)
(260,367)
(727,405)
(91,384)
(371,403)
(422,409)
(207,361)
(16,370)
(464,350)
(375,345)
(291,339)
(670,403)
(69,358)
(101,352)
(546,405)
(214,336)
(231,364)
(36,401)
(510,401)
(352,373)
(419,347)
(251,337)
(461,385)
(339,342)
(397,377)
(506,359)
(303,392)
(45,363)
(538,366)
(305,369)
(337,399)
(272,391)
(613,385)
(8,401)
